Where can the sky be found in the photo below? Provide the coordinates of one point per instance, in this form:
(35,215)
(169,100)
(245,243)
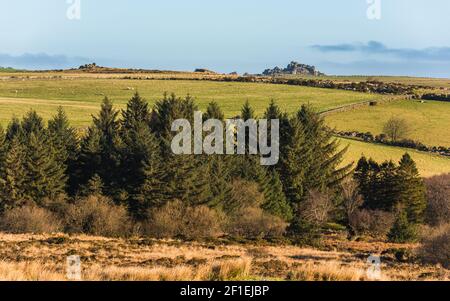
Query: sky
(347,37)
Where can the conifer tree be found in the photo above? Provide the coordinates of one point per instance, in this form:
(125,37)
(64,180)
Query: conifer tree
(275,199)
(45,177)
(412,189)
(64,137)
(32,123)
(403,231)
(14,129)
(65,142)
(247,112)
(294,163)
(93,187)
(3,150)
(213,111)
(90,158)
(323,170)
(142,169)
(107,126)
(12,181)
(137,112)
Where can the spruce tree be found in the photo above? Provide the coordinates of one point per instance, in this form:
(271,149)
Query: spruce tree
(90,158)
(93,187)
(213,111)
(12,182)
(412,189)
(324,171)
(107,126)
(45,177)
(275,200)
(142,169)
(294,163)
(32,123)
(137,112)
(247,111)
(65,142)
(403,230)
(3,150)
(14,129)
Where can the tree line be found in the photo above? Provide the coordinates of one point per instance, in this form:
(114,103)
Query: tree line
(125,156)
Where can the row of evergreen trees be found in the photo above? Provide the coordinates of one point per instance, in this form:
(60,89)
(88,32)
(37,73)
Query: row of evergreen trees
(394,188)
(126,155)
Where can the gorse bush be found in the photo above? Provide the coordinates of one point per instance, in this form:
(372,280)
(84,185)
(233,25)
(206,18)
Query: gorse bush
(30,219)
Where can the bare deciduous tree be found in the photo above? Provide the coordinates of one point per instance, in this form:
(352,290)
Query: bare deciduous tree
(396,128)
(316,208)
(352,199)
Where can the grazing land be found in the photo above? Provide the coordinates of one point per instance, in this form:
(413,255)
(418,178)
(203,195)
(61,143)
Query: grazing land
(81,97)
(43,257)
(428,164)
(80,94)
(429,122)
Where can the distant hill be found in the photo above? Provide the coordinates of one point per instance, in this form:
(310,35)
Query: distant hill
(294,68)
(8,69)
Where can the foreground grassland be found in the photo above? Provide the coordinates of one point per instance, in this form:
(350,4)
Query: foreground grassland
(82,96)
(428,164)
(43,257)
(429,122)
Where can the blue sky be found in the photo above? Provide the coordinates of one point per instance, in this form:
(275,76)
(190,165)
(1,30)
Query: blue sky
(411,38)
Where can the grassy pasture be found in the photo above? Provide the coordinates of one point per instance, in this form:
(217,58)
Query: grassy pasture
(428,164)
(429,122)
(82,96)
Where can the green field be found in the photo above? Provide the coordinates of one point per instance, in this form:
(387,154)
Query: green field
(428,164)
(82,97)
(429,122)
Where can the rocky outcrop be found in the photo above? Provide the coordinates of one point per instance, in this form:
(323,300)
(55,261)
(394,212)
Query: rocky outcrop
(294,68)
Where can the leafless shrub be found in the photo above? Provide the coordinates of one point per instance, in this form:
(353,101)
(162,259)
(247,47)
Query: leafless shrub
(254,223)
(352,200)
(175,219)
(438,196)
(29,219)
(375,223)
(316,208)
(97,215)
(435,246)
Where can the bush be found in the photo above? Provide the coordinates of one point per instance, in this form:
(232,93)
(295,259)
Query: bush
(96,215)
(436,247)
(177,220)
(316,208)
(438,197)
(244,194)
(403,231)
(375,223)
(30,219)
(254,223)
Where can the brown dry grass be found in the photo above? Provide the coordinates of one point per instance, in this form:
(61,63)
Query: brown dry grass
(43,257)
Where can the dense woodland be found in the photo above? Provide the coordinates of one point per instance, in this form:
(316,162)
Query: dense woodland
(119,177)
